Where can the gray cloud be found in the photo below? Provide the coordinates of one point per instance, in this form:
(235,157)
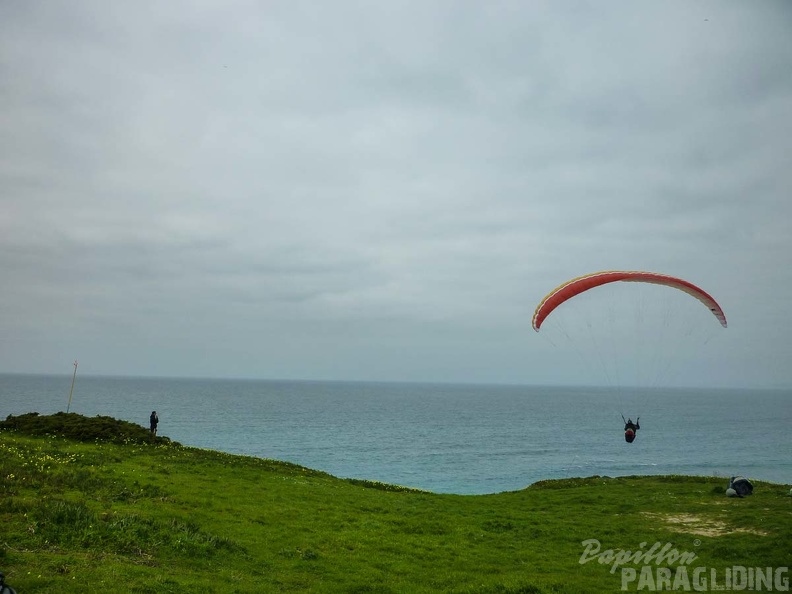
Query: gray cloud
(349,191)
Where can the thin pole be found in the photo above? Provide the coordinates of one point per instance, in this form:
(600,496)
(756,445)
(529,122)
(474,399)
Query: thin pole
(68,406)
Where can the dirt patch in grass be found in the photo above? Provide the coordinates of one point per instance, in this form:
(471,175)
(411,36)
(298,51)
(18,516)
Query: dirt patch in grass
(701,525)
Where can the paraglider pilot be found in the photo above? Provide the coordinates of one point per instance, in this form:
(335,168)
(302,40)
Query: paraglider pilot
(630,429)
(153,421)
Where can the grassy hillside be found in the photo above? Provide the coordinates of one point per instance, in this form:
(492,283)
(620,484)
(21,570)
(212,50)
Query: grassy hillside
(92,505)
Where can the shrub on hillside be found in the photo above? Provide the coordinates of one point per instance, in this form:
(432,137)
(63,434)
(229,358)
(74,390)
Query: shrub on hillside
(80,428)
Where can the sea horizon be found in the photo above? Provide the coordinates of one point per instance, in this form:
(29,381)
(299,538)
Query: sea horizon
(603,386)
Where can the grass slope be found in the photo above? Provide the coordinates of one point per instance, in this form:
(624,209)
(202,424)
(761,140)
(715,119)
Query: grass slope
(92,505)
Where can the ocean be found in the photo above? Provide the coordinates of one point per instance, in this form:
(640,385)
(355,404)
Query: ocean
(463,439)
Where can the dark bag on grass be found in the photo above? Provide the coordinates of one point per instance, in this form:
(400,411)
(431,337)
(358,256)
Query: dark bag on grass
(741,486)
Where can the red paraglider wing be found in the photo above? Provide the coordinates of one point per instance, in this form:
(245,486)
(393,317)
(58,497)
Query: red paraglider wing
(589,281)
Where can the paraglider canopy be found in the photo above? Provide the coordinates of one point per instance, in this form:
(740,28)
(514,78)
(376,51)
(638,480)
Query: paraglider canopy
(584,283)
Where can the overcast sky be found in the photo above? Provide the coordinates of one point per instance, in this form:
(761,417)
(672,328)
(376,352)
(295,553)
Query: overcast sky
(384,190)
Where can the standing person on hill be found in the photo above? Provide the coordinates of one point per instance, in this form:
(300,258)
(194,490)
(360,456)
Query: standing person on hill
(153,420)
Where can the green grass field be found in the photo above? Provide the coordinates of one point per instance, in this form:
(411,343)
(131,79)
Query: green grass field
(92,505)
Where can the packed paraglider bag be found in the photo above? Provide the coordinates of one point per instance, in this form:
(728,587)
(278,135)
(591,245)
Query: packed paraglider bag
(4,588)
(739,487)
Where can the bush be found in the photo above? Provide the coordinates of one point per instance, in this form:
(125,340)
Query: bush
(81,428)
